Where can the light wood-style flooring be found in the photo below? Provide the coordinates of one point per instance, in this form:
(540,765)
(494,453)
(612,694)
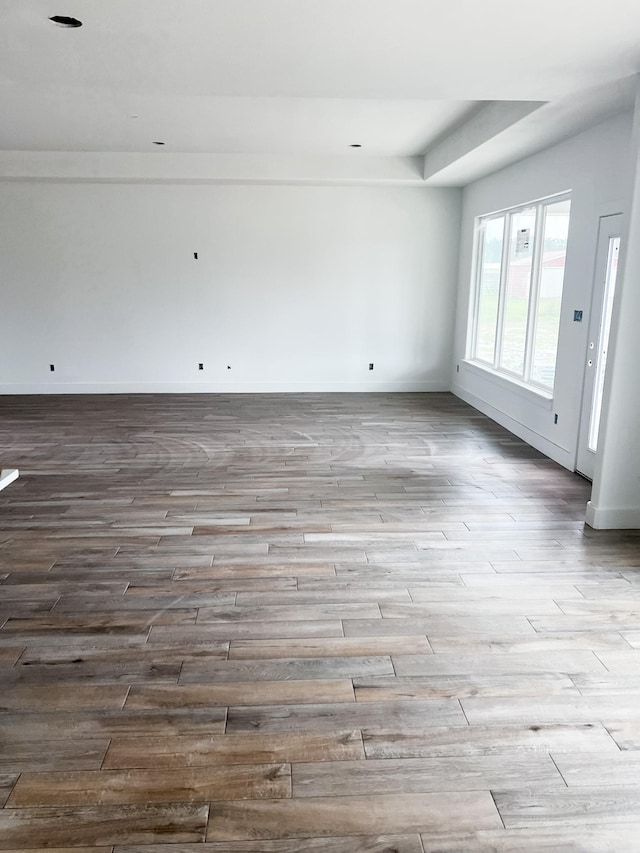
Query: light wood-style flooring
(325,623)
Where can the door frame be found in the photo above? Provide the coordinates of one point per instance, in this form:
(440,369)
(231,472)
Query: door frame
(610,225)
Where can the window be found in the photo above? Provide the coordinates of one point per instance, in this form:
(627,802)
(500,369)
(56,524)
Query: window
(603,341)
(518,294)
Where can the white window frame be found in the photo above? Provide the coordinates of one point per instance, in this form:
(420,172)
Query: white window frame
(534,289)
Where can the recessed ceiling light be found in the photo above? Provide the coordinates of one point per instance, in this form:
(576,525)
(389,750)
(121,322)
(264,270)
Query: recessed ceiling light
(64,21)
(158,143)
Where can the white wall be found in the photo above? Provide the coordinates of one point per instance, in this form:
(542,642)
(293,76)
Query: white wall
(297,287)
(596,167)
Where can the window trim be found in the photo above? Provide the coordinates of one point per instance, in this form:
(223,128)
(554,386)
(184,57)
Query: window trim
(533,393)
(525,380)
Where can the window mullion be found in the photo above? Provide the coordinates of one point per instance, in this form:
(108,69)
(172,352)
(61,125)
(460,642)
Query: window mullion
(504,270)
(478,257)
(534,288)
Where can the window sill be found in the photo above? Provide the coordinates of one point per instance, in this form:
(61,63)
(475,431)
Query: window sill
(508,383)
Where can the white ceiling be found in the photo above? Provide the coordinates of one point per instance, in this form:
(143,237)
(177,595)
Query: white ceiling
(297,77)
(62,118)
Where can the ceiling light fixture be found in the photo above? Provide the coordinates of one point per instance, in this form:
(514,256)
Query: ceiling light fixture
(64,21)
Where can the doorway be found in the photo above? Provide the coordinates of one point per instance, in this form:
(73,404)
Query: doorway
(604,287)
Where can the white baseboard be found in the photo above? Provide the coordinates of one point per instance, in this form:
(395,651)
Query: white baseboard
(613,518)
(223,387)
(553,451)
(8,475)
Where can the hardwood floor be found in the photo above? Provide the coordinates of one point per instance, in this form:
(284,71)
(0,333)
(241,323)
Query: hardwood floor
(324,623)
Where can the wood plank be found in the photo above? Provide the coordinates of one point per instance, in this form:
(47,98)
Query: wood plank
(219,570)
(491,591)
(414,572)
(47,590)
(497,584)
(110,787)
(78,671)
(333,844)
(353,594)
(330,716)
(617,770)
(504,740)
(158,658)
(482,607)
(326,816)
(220,585)
(9,655)
(518,644)
(624,608)
(189,696)
(67,754)
(285,668)
(422,775)
(7,781)
(217,750)
(359,579)
(60,697)
(632,638)
(125,604)
(50,624)
(327,648)
(609,684)
(102,825)
(386,688)
(551,709)
(623,662)
(280,629)
(40,725)
(434,625)
(607,838)
(293,613)
(568,806)
(625,734)
(589,622)
(451,664)
(91,849)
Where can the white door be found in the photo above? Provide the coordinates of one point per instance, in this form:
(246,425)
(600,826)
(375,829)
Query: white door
(604,287)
